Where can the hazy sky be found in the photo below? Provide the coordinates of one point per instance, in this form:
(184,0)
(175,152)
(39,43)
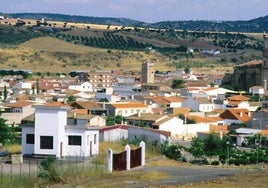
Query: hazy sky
(145,10)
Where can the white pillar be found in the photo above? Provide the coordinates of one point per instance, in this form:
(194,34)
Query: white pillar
(127,149)
(109,157)
(142,145)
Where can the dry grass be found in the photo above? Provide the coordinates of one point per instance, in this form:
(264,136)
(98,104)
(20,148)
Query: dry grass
(13,149)
(46,54)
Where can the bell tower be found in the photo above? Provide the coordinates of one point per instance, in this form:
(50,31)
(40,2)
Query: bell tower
(265,60)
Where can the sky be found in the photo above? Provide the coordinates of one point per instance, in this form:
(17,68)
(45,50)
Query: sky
(145,10)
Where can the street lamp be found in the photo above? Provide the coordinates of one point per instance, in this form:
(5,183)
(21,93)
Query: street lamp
(227,160)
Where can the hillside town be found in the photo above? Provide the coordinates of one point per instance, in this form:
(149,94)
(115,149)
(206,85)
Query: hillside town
(69,116)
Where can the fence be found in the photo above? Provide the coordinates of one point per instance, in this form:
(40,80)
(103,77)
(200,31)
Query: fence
(126,159)
(31,166)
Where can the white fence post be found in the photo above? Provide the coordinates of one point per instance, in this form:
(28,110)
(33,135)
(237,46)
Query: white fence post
(127,149)
(109,156)
(142,145)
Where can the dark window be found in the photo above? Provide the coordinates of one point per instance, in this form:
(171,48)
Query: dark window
(74,140)
(95,138)
(46,142)
(29,138)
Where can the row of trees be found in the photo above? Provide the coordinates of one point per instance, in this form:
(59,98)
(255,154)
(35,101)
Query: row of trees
(222,150)
(24,74)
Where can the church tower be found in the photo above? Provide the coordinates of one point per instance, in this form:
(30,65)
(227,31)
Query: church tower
(147,72)
(265,61)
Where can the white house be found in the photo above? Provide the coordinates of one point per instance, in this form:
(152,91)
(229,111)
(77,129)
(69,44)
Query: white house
(82,86)
(126,109)
(201,104)
(256,90)
(161,122)
(23,88)
(49,134)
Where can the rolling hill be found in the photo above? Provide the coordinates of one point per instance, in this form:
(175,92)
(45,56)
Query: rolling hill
(63,46)
(258,25)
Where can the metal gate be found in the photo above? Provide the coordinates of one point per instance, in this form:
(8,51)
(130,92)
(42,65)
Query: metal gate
(120,161)
(135,158)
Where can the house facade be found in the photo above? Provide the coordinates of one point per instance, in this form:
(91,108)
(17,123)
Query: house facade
(126,109)
(83,87)
(201,104)
(49,134)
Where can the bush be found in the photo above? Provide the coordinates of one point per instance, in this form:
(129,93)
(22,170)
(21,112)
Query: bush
(172,152)
(48,169)
(215,163)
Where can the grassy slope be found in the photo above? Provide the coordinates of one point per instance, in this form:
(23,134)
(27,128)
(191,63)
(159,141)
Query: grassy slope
(49,54)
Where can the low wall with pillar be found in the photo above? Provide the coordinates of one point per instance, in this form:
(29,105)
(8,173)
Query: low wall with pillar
(127,159)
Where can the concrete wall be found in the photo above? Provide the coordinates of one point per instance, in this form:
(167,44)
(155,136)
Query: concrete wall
(27,148)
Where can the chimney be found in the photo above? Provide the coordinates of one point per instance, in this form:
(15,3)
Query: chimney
(241,114)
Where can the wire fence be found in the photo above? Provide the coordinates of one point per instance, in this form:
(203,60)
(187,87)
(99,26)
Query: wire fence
(32,166)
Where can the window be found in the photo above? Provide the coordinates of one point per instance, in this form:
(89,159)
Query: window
(95,138)
(29,138)
(74,140)
(46,142)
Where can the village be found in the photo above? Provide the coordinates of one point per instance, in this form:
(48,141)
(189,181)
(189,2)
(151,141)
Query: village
(69,116)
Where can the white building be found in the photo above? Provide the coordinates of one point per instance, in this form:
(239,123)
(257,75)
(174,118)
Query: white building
(83,87)
(201,104)
(49,134)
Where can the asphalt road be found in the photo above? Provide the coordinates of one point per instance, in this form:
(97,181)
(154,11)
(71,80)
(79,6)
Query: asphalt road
(182,175)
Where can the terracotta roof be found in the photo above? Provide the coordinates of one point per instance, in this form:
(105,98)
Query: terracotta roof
(238,98)
(145,116)
(166,100)
(86,105)
(181,110)
(55,104)
(160,100)
(236,114)
(19,104)
(200,119)
(203,100)
(173,99)
(80,111)
(163,121)
(129,105)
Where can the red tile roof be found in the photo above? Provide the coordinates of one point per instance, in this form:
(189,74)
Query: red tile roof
(129,105)
(19,104)
(242,115)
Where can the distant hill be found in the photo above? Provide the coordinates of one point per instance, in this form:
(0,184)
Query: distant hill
(257,25)
(80,19)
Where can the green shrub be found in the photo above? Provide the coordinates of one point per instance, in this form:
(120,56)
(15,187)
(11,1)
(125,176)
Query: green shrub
(216,163)
(172,152)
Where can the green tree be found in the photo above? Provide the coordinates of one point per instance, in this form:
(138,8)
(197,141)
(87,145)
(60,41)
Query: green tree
(212,145)
(71,99)
(5,92)
(177,84)
(37,87)
(119,119)
(197,147)
(7,135)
